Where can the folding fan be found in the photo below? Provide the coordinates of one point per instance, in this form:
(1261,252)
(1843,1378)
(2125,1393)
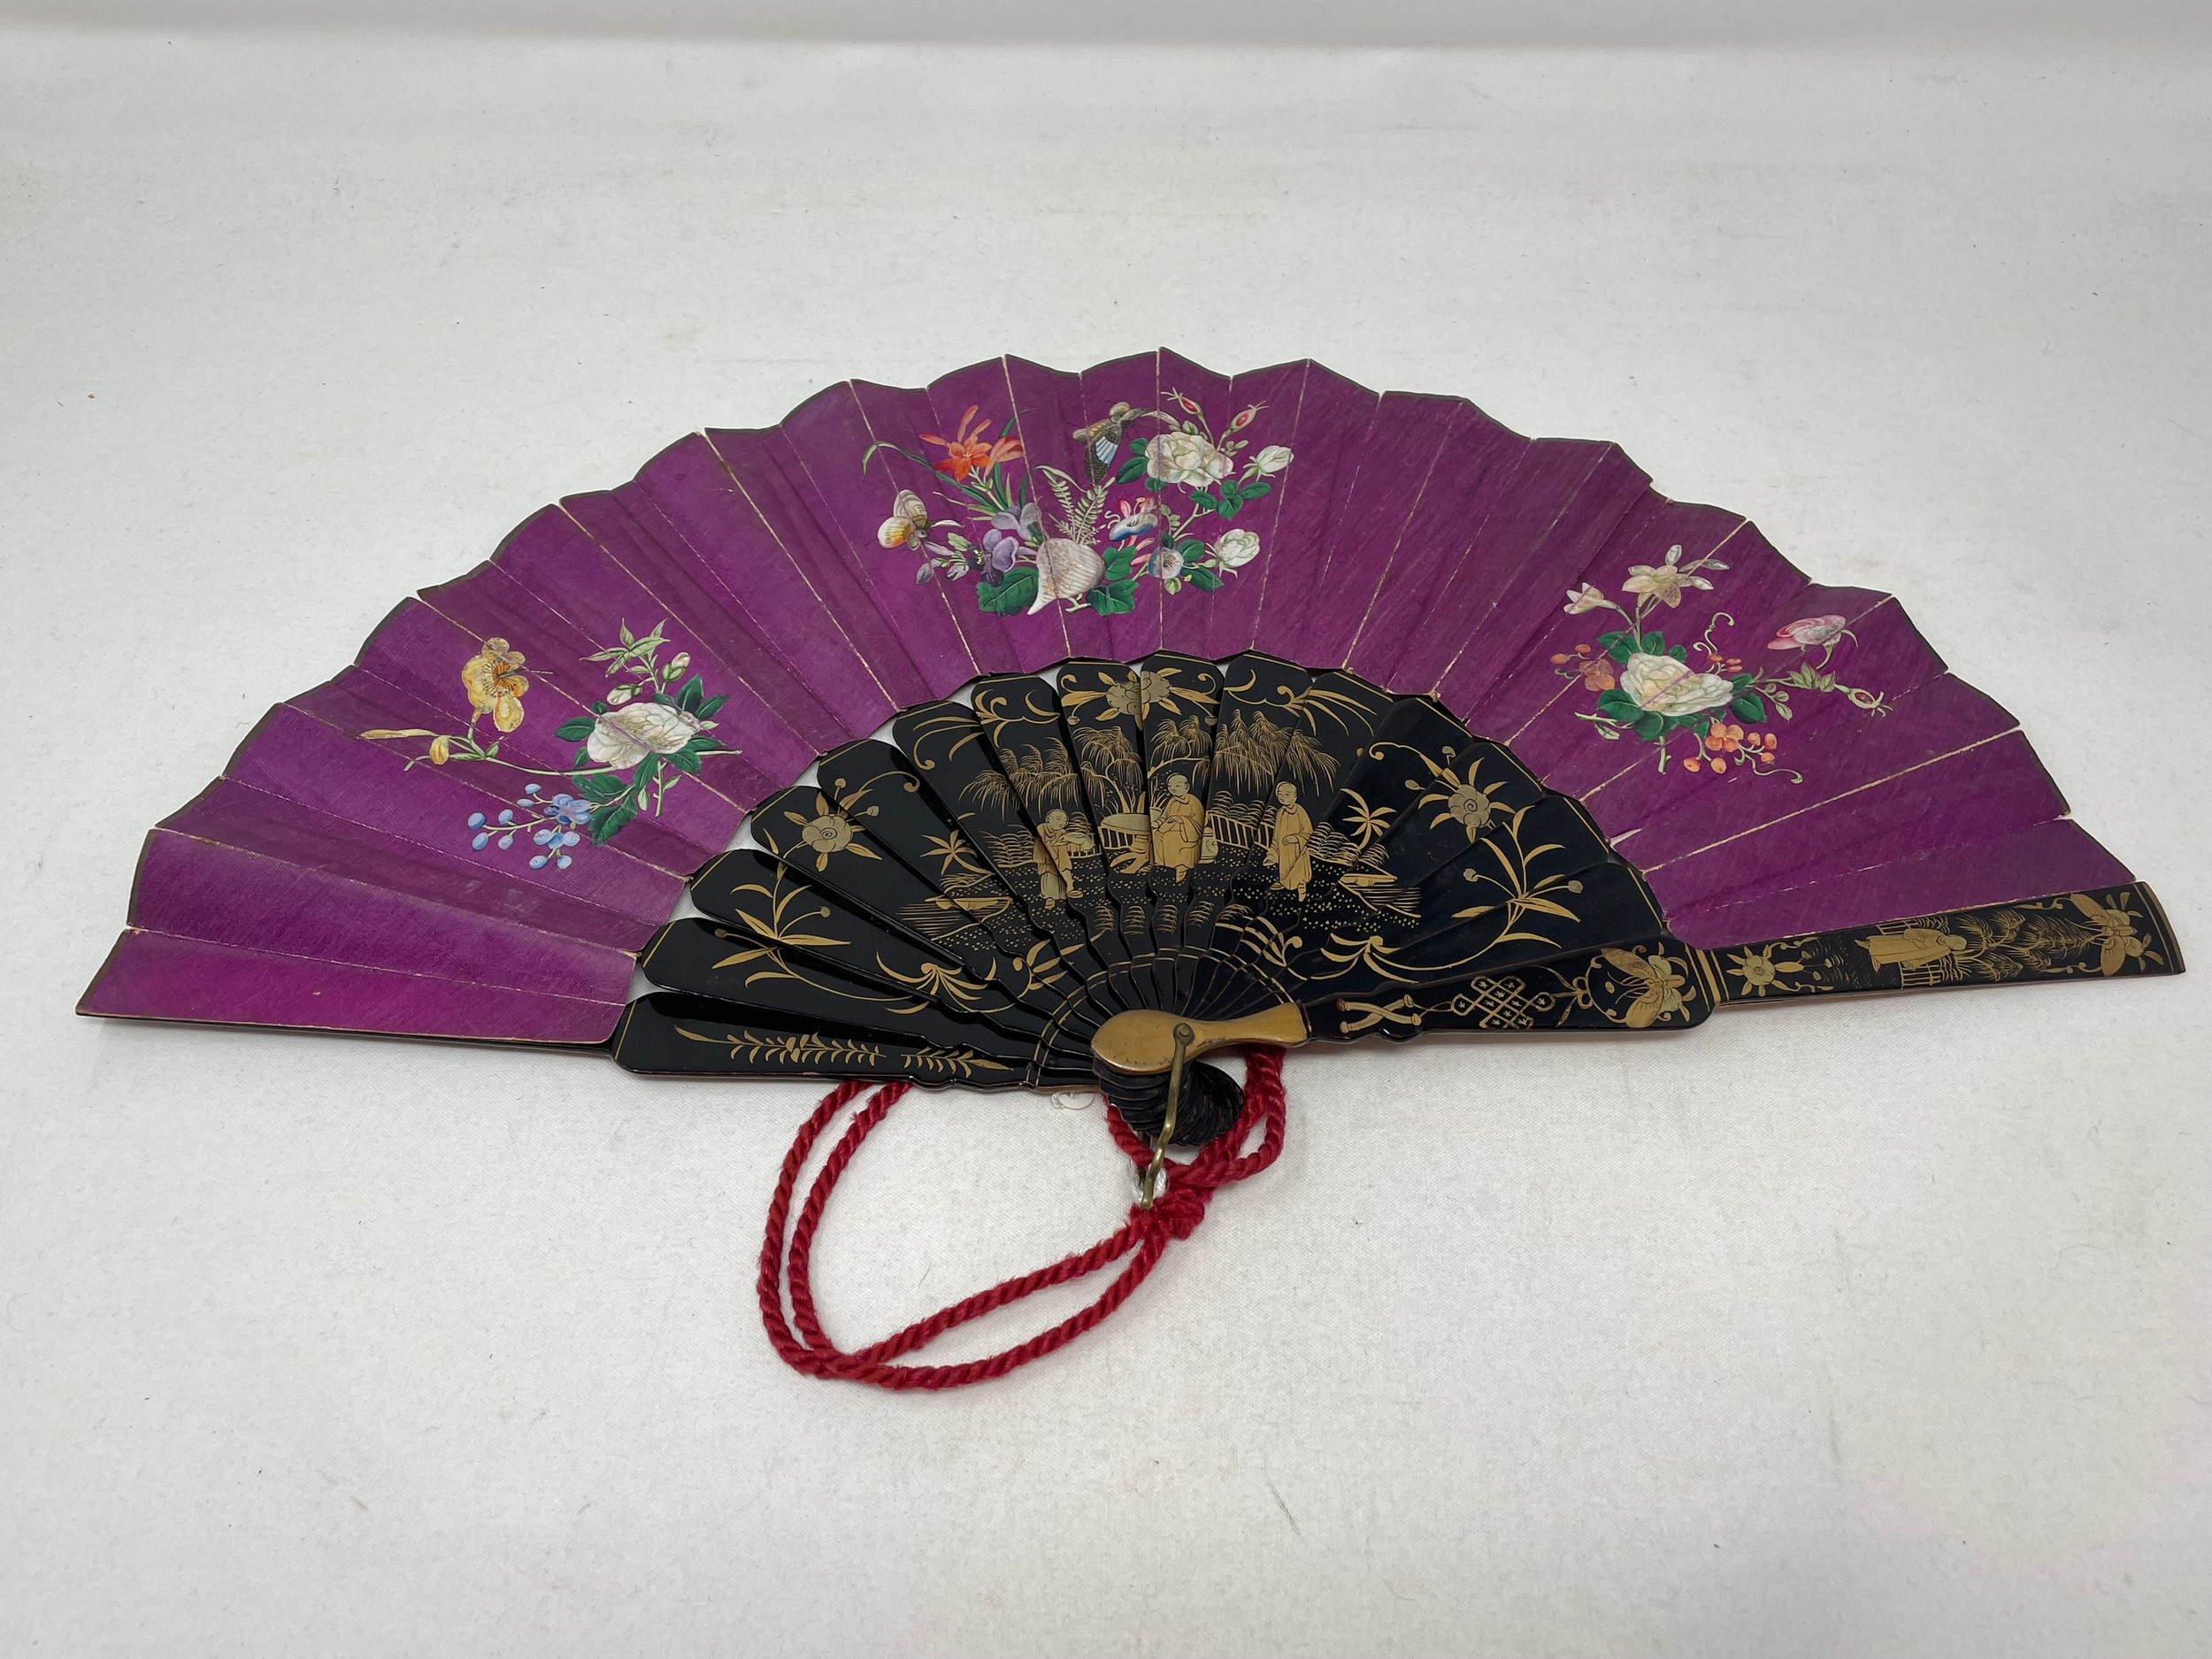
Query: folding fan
(1050,729)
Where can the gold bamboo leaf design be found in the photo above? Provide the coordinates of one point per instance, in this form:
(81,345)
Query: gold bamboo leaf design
(809,1050)
(776,923)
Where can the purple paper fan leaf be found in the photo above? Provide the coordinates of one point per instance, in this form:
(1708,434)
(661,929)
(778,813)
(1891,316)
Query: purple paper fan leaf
(690,825)
(2055,855)
(296,756)
(472,830)
(843,653)
(885,487)
(973,445)
(1328,444)
(1198,409)
(1397,456)
(1046,407)
(1430,578)
(230,813)
(880,619)
(1112,396)
(1224,620)
(157,976)
(199,890)
(1560,509)
(815,452)
(600,596)
(625,526)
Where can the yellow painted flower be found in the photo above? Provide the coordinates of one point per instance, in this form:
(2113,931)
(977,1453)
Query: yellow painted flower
(1755,966)
(1472,806)
(1667,582)
(829,831)
(495,684)
(908,525)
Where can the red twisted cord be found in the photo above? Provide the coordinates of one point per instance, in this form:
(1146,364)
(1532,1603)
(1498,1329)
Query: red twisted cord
(1143,1237)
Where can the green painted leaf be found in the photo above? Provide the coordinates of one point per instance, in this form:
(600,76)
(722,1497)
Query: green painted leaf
(1750,706)
(1201,577)
(1111,599)
(1618,646)
(1011,594)
(1206,501)
(685,760)
(692,695)
(1253,491)
(1654,644)
(1117,564)
(574,731)
(1618,705)
(1650,726)
(708,710)
(1229,506)
(607,825)
(1130,471)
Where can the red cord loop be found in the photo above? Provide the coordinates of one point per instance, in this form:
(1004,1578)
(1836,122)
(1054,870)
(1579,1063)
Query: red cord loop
(1144,1237)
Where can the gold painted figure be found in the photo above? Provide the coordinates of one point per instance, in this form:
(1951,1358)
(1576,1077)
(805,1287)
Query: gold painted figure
(1057,844)
(1912,947)
(1287,842)
(1179,828)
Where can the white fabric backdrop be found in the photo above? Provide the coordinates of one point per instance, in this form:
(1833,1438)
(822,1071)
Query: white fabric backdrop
(1872,1328)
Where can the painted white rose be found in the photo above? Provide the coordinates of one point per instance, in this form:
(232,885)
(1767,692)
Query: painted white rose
(624,737)
(1169,566)
(1184,457)
(1270,460)
(1236,548)
(1659,685)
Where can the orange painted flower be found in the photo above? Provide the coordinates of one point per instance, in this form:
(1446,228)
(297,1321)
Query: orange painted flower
(1597,672)
(1724,737)
(495,684)
(967,451)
